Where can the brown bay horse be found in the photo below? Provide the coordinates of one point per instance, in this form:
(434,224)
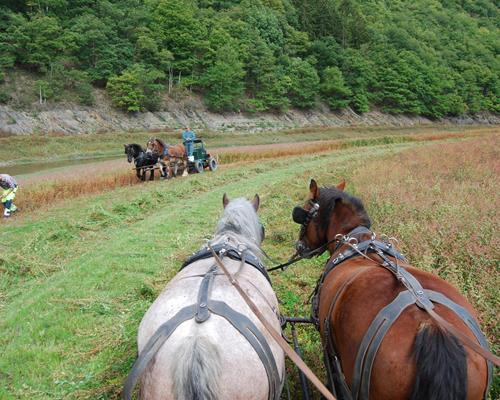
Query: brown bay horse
(374,312)
(172,157)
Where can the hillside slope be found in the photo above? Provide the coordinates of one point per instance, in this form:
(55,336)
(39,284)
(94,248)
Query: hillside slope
(429,57)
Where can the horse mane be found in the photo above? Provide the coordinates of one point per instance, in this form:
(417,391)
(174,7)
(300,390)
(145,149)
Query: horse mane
(137,147)
(241,222)
(161,142)
(328,197)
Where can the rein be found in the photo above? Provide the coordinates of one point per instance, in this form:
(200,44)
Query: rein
(296,258)
(276,335)
(317,251)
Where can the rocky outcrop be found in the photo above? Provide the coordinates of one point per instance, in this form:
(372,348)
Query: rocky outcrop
(79,120)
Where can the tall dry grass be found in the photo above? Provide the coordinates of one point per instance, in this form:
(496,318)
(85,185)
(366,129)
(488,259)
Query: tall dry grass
(252,153)
(452,190)
(41,195)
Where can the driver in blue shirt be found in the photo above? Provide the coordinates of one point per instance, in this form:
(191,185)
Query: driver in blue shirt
(188,137)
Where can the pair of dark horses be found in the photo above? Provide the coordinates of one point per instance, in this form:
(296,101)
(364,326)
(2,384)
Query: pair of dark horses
(169,157)
(142,159)
(389,330)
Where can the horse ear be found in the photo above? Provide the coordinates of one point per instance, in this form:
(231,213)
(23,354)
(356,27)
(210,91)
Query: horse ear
(225,200)
(313,188)
(341,185)
(256,202)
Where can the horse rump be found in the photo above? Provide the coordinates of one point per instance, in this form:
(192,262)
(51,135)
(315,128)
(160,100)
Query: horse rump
(196,374)
(441,365)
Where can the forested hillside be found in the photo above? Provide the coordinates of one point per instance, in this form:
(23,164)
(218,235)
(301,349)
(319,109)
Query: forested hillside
(427,57)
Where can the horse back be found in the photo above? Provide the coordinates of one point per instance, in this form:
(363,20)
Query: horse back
(242,366)
(351,297)
(177,150)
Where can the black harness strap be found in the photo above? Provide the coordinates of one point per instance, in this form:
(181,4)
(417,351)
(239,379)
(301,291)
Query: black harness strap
(231,252)
(255,337)
(382,323)
(415,294)
(369,246)
(371,342)
(201,312)
(152,347)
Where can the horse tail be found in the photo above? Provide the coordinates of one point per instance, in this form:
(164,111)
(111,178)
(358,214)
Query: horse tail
(197,370)
(441,365)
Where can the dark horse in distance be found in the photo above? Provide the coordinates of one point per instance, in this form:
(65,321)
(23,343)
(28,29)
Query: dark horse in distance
(389,330)
(142,160)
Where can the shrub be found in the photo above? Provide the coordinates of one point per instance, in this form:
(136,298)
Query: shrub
(136,89)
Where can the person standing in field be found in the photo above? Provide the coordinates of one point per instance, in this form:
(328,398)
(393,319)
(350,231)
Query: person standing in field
(188,137)
(9,186)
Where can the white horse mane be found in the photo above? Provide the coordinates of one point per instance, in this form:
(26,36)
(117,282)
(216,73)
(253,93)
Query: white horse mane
(240,223)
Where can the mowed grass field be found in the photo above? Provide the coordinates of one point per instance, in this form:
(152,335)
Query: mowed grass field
(78,272)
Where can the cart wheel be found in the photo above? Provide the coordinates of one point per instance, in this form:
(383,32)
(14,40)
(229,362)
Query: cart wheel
(198,165)
(212,164)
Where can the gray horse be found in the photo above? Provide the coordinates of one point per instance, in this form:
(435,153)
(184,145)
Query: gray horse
(199,339)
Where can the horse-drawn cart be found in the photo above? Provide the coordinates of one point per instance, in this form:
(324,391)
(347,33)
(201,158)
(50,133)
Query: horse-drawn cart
(171,160)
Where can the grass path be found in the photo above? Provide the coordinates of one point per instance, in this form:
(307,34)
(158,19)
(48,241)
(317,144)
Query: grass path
(77,279)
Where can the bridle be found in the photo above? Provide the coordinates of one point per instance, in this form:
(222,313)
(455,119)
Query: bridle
(152,146)
(303,217)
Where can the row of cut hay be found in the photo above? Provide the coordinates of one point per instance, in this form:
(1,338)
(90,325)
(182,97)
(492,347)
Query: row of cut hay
(304,148)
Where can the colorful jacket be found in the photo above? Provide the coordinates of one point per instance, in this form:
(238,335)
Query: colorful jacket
(7,182)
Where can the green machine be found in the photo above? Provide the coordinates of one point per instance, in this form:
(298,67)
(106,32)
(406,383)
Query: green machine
(202,159)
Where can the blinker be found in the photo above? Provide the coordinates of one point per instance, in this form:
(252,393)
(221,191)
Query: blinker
(300,215)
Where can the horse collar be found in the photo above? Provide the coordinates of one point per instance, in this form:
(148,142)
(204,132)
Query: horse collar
(234,252)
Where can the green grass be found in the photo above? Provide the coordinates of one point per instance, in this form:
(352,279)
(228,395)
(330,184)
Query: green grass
(77,279)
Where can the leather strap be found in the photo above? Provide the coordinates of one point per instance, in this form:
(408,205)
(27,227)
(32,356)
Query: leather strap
(386,317)
(371,342)
(276,336)
(231,252)
(254,336)
(153,345)
(201,312)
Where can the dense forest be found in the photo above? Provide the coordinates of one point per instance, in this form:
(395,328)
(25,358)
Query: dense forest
(427,57)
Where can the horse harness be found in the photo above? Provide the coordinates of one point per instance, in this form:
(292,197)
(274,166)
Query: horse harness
(201,312)
(414,294)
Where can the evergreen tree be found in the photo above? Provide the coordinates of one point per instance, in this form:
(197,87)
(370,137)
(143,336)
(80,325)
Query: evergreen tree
(223,81)
(333,88)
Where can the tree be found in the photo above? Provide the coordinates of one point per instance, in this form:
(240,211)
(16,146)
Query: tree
(98,48)
(224,81)
(136,89)
(38,42)
(304,83)
(358,71)
(334,89)
(174,26)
